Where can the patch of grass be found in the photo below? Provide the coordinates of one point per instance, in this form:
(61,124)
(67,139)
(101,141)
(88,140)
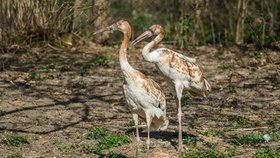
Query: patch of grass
(64,68)
(39,122)
(48,68)
(255,138)
(62,146)
(274,134)
(76,84)
(210,133)
(240,120)
(189,140)
(207,154)
(226,66)
(100,60)
(267,153)
(211,145)
(50,76)
(31,76)
(277,68)
(250,139)
(14,140)
(115,155)
(14,155)
(185,98)
(85,69)
(130,123)
(272,121)
(112,140)
(88,149)
(96,133)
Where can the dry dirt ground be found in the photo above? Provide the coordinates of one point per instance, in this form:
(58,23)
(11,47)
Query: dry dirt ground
(50,96)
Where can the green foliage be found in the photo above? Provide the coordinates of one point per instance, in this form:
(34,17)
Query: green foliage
(207,154)
(14,155)
(31,76)
(226,66)
(39,122)
(140,23)
(185,98)
(211,145)
(64,68)
(250,139)
(255,138)
(112,140)
(48,70)
(238,119)
(14,140)
(62,146)
(76,84)
(96,133)
(272,121)
(100,60)
(115,155)
(210,133)
(267,153)
(88,149)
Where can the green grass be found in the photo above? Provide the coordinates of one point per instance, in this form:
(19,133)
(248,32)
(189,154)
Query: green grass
(208,153)
(14,155)
(112,140)
(185,98)
(115,155)
(272,121)
(240,120)
(88,149)
(76,84)
(210,133)
(100,60)
(250,139)
(226,66)
(14,140)
(267,153)
(256,138)
(61,146)
(39,122)
(211,145)
(190,140)
(64,68)
(96,133)
(31,76)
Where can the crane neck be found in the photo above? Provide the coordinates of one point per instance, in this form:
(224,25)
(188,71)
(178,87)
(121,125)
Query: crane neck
(123,51)
(147,49)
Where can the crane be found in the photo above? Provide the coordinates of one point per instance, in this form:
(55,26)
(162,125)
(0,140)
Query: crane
(179,70)
(144,96)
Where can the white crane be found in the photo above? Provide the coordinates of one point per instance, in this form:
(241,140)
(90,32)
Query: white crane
(144,97)
(179,70)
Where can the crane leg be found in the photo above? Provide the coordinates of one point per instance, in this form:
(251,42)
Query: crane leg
(135,119)
(179,91)
(148,119)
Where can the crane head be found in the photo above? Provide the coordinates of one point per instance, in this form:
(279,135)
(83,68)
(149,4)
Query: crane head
(121,25)
(153,30)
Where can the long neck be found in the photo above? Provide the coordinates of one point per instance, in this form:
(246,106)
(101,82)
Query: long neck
(147,49)
(122,52)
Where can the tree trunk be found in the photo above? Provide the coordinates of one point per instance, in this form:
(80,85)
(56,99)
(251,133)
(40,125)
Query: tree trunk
(76,18)
(101,20)
(241,9)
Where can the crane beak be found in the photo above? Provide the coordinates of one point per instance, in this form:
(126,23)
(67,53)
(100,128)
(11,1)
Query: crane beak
(109,28)
(141,37)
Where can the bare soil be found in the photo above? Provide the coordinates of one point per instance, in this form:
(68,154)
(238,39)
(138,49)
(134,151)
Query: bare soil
(52,96)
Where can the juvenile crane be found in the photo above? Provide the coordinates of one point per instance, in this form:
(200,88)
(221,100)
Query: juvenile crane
(144,97)
(179,70)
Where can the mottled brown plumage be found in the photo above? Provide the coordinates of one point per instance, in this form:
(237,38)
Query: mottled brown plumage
(179,70)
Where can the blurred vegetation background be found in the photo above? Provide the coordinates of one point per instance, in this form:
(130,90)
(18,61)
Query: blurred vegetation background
(186,22)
